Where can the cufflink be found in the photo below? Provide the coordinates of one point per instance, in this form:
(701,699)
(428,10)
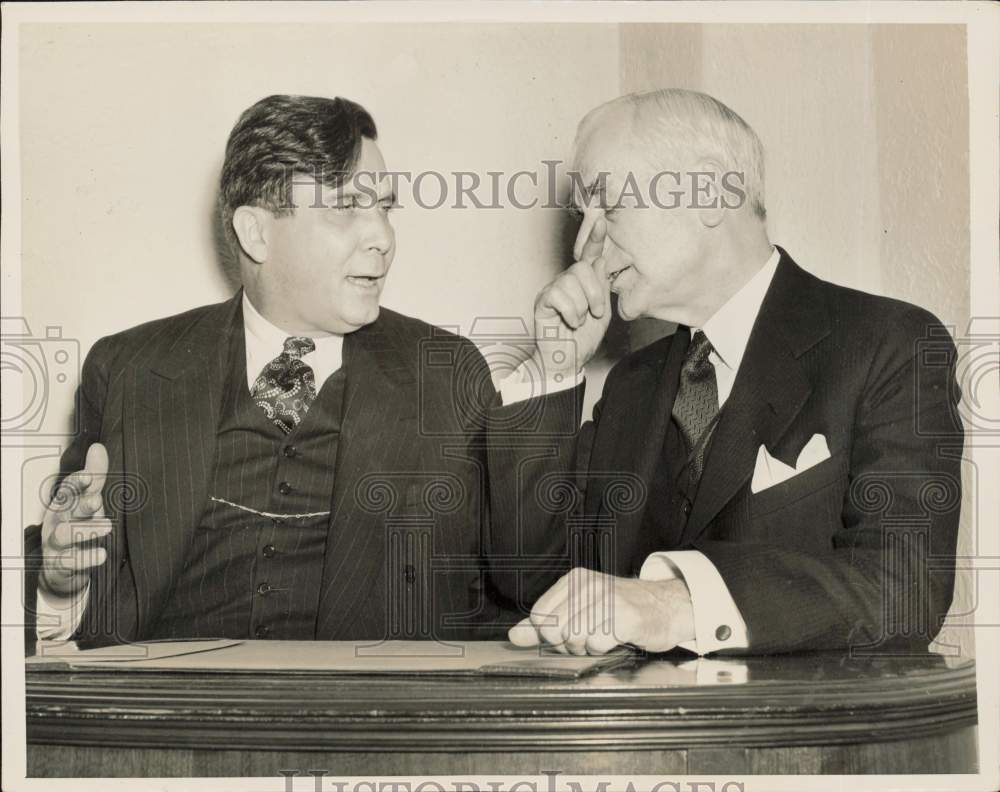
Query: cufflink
(723,632)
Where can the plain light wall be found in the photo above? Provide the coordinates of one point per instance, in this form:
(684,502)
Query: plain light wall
(866,133)
(123,129)
(922,114)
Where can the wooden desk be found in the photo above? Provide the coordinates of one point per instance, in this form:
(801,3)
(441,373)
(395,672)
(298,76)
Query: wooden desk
(660,716)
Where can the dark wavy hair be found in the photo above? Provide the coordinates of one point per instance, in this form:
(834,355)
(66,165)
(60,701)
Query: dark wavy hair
(282,135)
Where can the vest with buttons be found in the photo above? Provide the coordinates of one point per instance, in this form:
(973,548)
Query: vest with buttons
(255,564)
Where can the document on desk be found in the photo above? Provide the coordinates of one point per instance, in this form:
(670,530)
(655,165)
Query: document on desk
(495,658)
(68,652)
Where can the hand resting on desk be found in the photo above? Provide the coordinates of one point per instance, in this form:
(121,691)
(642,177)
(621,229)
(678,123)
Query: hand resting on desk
(588,612)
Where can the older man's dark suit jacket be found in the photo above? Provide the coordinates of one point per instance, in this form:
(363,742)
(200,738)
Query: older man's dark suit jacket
(412,449)
(857,551)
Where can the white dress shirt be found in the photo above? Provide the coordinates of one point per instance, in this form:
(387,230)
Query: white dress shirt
(728,330)
(58,617)
(265,342)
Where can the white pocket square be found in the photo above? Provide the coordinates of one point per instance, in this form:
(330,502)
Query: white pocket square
(769,471)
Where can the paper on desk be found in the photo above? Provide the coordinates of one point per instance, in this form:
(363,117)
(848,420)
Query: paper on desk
(366,657)
(67,652)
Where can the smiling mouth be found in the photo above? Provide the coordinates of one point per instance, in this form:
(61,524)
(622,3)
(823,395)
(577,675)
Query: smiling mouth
(366,281)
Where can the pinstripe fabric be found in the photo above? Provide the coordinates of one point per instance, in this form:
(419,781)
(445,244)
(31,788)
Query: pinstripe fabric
(380,437)
(247,575)
(153,395)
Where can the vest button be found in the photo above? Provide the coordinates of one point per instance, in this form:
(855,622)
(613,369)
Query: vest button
(409,573)
(268,551)
(290,451)
(262,631)
(687,508)
(723,632)
(264,588)
(285,488)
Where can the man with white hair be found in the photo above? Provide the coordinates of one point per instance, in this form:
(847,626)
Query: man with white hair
(790,454)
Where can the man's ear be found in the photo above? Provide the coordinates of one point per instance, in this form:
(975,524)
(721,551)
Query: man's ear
(706,194)
(250,223)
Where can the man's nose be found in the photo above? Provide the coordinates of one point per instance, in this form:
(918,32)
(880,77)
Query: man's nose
(613,256)
(379,234)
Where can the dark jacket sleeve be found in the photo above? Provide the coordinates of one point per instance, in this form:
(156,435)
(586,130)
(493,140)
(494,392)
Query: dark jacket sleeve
(90,399)
(885,584)
(537,449)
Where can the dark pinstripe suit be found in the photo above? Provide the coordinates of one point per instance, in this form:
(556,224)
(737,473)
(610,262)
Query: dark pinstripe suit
(412,455)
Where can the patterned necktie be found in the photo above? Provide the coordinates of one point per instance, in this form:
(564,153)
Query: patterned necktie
(696,407)
(287,387)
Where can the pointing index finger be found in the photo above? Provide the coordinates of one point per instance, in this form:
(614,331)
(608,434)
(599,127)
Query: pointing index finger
(590,236)
(594,246)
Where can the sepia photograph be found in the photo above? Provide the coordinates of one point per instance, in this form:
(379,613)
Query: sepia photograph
(522,397)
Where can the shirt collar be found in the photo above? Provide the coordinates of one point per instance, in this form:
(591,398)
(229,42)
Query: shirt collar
(269,336)
(260,332)
(265,341)
(729,328)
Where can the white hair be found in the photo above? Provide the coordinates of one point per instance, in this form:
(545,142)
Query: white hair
(673,125)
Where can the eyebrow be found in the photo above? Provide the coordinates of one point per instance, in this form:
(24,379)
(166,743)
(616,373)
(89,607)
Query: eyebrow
(603,188)
(592,187)
(347,191)
(588,193)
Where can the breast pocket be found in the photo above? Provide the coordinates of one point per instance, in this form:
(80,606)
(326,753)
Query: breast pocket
(826,480)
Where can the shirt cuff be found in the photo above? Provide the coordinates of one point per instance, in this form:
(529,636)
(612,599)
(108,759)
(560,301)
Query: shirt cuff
(518,386)
(57,617)
(718,623)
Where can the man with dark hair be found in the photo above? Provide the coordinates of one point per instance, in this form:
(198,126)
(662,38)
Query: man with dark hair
(282,134)
(283,483)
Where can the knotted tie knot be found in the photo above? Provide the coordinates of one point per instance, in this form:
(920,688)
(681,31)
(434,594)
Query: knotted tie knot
(696,363)
(297,346)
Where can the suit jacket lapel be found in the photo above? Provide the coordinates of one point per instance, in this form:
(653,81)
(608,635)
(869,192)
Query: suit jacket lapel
(170,417)
(380,393)
(621,445)
(770,390)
